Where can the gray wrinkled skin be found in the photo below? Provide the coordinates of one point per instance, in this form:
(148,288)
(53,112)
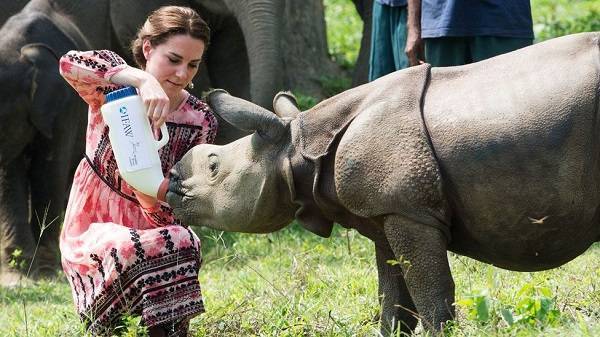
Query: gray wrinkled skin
(498,161)
(42,138)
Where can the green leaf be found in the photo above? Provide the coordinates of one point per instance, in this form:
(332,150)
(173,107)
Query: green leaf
(482,307)
(525,289)
(545,291)
(465,302)
(507,316)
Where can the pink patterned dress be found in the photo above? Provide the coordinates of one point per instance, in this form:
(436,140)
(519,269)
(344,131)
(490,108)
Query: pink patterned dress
(119,257)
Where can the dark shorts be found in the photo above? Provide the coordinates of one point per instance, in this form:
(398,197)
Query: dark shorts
(453,51)
(388,40)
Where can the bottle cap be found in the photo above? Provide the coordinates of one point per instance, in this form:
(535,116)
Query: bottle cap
(120,93)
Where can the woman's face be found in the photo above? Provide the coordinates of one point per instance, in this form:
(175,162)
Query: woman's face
(174,62)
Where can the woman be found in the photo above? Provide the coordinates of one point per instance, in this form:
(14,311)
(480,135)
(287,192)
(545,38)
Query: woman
(122,251)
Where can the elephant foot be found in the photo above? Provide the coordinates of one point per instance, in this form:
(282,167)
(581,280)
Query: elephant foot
(11,278)
(46,272)
(46,263)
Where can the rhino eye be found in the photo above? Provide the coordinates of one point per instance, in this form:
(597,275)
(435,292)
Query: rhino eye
(213,165)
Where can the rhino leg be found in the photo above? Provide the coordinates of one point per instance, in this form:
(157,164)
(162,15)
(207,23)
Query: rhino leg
(397,307)
(420,250)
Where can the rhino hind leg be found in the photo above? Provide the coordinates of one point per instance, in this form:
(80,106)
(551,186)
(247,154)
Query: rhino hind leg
(421,252)
(397,307)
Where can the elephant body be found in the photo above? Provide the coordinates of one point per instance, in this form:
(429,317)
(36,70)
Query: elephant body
(496,160)
(42,140)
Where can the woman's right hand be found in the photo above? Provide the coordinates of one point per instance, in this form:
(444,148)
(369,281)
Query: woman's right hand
(155,99)
(151,92)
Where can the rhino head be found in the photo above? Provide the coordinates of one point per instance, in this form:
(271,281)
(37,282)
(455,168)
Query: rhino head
(244,186)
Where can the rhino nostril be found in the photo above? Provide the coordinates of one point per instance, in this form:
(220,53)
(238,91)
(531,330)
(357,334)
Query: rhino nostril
(174,174)
(175,185)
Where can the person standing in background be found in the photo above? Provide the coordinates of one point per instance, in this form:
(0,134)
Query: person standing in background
(388,38)
(456,32)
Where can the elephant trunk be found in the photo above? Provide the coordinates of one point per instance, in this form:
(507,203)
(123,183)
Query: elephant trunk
(261,24)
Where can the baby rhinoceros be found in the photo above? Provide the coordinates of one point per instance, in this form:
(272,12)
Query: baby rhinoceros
(497,160)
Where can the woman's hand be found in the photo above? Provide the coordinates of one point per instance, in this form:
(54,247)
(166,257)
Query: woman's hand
(150,204)
(155,99)
(151,92)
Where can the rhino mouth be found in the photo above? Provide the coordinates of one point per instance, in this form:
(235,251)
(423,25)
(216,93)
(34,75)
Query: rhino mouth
(175,193)
(176,198)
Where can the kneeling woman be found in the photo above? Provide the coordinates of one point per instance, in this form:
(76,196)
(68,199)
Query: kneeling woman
(122,251)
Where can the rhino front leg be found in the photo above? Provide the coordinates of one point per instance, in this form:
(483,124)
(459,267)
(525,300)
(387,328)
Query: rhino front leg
(421,250)
(397,307)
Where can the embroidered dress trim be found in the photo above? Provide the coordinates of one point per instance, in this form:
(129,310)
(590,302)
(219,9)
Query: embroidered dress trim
(160,288)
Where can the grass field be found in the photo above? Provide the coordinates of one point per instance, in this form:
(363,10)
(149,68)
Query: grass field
(293,283)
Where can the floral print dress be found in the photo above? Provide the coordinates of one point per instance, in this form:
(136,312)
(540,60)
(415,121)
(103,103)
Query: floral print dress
(118,256)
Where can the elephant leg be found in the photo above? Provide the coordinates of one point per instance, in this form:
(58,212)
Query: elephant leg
(421,252)
(49,188)
(16,240)
(397,307)
(227,60)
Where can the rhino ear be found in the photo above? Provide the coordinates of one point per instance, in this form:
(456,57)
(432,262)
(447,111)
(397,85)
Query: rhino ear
(285,105)
(246,115)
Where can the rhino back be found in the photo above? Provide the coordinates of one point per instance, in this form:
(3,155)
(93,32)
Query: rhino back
(516,137)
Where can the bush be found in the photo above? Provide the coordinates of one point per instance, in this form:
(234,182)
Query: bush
(553,18)
(344,31)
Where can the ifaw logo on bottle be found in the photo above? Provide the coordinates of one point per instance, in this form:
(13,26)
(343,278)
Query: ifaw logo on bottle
(126,122)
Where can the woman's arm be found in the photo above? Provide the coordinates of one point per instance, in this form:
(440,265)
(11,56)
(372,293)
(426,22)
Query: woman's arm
(89,73)
(94,73)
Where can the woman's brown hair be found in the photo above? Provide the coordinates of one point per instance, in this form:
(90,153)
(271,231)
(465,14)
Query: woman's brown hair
(166,22)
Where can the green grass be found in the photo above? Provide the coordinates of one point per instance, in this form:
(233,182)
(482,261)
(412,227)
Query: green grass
(293,283)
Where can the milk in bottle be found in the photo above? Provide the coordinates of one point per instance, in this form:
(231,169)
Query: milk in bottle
(132,140)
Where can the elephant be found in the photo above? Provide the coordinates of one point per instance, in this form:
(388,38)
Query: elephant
(42,139)
(497,160)
(10,8)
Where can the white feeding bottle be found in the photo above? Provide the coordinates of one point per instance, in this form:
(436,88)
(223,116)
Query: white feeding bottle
(133,143)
